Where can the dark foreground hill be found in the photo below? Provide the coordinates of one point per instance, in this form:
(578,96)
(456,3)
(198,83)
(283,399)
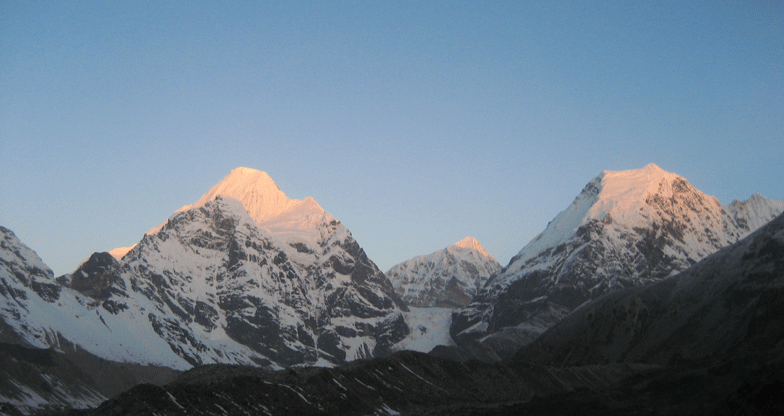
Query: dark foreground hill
(708,341)
(405,383)
(37,380)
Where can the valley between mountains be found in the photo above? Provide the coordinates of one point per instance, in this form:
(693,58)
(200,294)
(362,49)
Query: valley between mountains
(644,294)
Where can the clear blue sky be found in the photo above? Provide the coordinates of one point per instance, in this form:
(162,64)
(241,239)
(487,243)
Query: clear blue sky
(414,123)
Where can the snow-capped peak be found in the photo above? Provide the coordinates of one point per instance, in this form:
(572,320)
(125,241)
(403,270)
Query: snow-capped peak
(119,252)
(470,242)
(622,195)
(446,278)
(623,192)
(266,204)
(258,193)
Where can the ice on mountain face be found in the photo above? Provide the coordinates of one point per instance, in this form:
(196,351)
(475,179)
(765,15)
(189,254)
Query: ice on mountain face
(429,329)
(628,198)
(19,259)
(726,307)
(41,313)
(258,193)
(22,271)
(636,200)
(624,229)
(295,223)
(445,278)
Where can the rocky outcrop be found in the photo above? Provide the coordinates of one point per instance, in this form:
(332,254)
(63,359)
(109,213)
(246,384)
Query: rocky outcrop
(97,278)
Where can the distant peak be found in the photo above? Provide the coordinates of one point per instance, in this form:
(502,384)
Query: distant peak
(470,242)
(755,198)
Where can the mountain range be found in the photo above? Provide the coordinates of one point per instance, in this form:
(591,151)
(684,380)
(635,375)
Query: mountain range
(707,341)
(248,277)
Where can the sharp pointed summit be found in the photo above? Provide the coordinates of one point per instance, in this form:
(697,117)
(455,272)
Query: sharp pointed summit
(267,205)
(247,275)
(258,193)
(472,243)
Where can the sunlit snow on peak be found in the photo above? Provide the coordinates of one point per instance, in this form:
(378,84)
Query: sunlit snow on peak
(472,243)
(267,205)
(623,192)
(258,193)
(119,252)
(620,194)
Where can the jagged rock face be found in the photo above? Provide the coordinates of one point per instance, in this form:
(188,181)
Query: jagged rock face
(445,278)
(116,319)
(624,229)
(21,270)
(97,278)
(293,304)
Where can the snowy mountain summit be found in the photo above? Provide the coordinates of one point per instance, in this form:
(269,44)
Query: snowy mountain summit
(471,243)
(244,275)
(446,278)
(267,205)
(624,229)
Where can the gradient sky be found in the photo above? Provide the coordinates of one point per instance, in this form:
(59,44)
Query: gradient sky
(416,124)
